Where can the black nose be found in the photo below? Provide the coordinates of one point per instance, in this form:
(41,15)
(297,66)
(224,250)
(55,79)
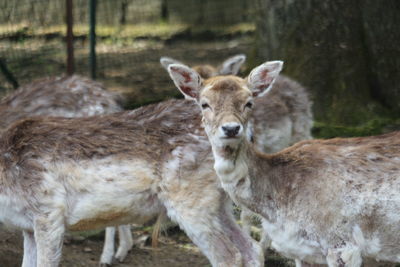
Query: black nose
(231,131)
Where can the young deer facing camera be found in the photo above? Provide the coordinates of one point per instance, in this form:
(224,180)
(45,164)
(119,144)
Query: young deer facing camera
(279,120)
(59,174)
(329,202)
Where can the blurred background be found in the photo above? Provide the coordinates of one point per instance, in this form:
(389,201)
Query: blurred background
(346,52)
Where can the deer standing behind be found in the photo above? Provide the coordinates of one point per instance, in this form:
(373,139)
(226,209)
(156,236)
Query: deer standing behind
(278,121)
(72,96)
(59,174)
(332,202)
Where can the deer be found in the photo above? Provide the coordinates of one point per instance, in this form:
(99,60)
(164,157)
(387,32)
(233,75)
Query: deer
(59,174)
(279,120)
(68,96)
(331,202)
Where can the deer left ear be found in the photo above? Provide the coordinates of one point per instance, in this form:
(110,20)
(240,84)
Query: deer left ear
(186,80)
(232,65)
(261,79)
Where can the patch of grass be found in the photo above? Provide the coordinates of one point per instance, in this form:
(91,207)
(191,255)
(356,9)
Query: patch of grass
(274,259)
(373,127)
(236,28)
(161,30)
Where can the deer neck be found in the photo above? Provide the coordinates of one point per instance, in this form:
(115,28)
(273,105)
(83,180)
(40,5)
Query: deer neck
(241,175)
(231,163)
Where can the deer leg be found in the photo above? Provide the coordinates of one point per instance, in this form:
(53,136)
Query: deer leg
(205,220)
(346,256)
(125,242)
(252,253)
(29,259)
(49,232)
(206,232)
(246,217)
(108,248)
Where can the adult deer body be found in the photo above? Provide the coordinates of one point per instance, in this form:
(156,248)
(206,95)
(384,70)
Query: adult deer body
(84,173)
(329,202)
(73,96)
(68,96)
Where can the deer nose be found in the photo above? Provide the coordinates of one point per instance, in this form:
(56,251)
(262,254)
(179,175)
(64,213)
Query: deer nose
(231,130)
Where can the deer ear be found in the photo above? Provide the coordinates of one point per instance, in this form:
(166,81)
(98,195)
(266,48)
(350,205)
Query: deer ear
(232,65)
(261,78)
(187,80)
(166,61)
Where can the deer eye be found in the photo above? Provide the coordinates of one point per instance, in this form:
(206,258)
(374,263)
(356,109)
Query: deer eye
(204,106)
(249,105)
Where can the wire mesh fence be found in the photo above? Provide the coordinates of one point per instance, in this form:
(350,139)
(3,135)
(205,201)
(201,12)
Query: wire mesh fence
(131,36)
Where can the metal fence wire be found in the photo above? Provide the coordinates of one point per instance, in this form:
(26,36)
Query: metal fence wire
(33,35)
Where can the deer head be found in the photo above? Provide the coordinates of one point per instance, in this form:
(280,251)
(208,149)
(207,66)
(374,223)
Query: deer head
(226,101)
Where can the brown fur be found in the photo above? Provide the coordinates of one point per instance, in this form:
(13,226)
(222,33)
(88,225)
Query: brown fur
(101,136)
(67,96)
(206,71)
(335,200)
(35,151)
(287,100)
(97,222)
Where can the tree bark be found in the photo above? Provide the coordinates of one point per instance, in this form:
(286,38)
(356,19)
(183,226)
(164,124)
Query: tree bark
(346,52)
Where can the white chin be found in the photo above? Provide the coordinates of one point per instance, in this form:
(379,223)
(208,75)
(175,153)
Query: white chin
(224,141)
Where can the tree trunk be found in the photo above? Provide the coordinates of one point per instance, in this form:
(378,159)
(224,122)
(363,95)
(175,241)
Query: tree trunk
(346,52)
(124,9)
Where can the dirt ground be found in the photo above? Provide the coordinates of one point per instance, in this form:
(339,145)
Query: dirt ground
(80,250)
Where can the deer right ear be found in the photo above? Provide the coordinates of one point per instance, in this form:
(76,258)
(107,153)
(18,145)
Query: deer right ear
(261,79)
(186,80)
(166,61)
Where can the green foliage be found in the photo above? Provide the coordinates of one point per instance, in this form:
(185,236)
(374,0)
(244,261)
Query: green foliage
(373,127)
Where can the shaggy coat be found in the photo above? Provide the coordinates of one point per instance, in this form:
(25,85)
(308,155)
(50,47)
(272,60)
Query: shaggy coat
(329,202)
(72,96)
(84,173)
(283,117)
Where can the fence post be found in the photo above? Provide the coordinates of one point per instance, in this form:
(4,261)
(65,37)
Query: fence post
(92,37)
(70,38)
(8,74)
